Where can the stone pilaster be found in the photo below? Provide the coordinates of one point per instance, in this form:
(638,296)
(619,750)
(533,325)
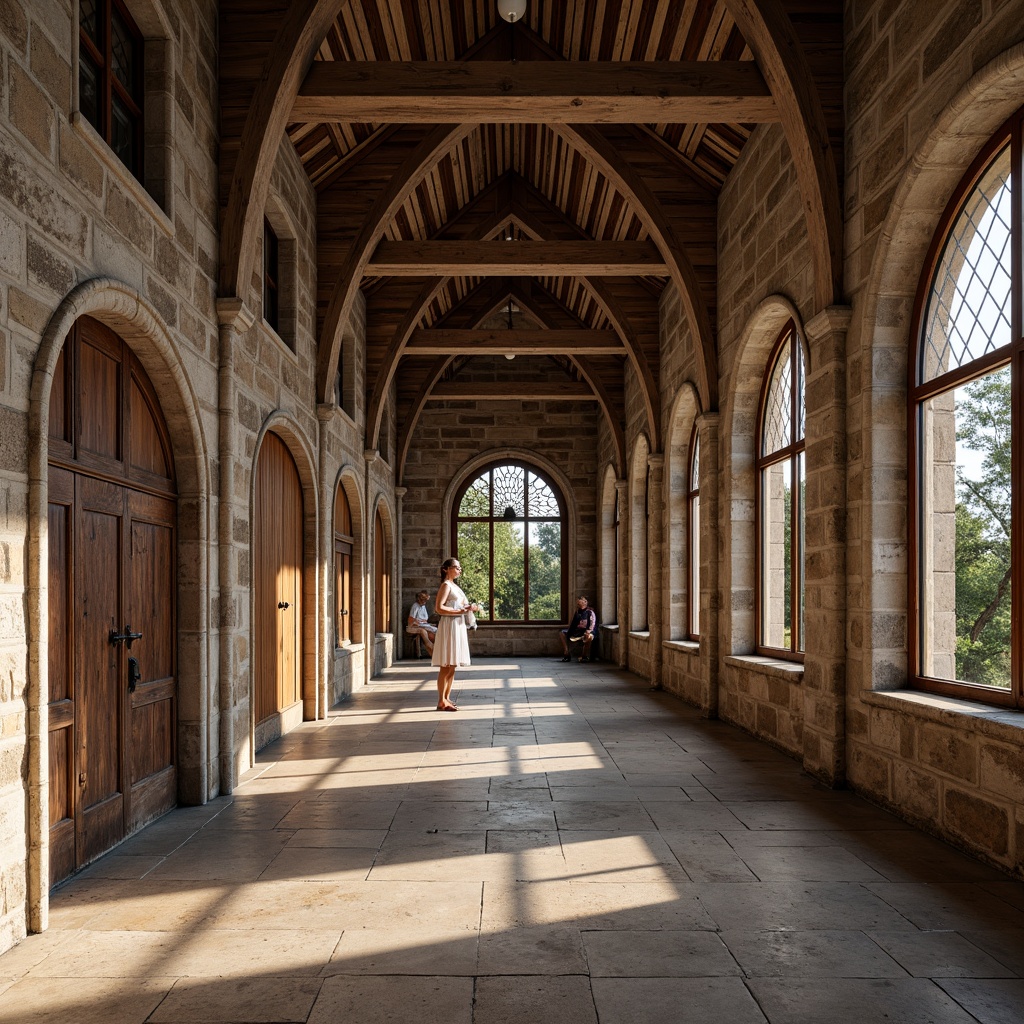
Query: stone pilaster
(710,546)
(234,318)
(401,637)
(824,685)
(623,570)
(325,642)
(655,561)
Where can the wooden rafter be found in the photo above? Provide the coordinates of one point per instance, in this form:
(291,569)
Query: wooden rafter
(538,92)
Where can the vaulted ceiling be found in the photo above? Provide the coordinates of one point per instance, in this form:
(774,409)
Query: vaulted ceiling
(526,188)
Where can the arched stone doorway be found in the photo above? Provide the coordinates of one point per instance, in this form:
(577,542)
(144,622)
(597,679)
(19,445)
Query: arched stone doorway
(112,680)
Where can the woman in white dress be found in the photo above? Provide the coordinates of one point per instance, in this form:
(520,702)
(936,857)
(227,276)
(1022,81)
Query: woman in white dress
(451,644)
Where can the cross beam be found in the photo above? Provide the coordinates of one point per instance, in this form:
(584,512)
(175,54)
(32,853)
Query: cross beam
(537,92)
(516,259)
(440,341)
(512,391)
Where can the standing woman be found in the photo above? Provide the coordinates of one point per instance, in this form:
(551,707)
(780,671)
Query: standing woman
(451,644)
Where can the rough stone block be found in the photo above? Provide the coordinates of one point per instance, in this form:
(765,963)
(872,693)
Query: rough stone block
(979,823)
(948,751)
(32,112)
(1002,770)
(917,793)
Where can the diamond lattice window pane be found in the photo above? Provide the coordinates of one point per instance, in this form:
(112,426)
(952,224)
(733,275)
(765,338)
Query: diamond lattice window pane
(542,502)
(695,465)
(778,407)
(968,313)
(123,53)
(89,19)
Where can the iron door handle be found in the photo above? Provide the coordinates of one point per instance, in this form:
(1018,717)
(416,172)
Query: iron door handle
(283,604)
(134,674)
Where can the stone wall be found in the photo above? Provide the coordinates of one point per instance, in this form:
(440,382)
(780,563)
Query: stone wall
(928,84)
(765,279)
(563,436)
(79,235)
(77,229)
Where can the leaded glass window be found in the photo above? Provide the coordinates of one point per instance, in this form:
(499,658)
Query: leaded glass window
(693,538)
(508,534)
(965,562)
(780,501)
(110,77)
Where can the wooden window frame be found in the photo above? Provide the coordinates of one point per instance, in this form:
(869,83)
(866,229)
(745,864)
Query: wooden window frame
(527,520)
(271,277)
(692,542)
(793,452)
(344,541)
(108,84)
(381,576)
(919,392)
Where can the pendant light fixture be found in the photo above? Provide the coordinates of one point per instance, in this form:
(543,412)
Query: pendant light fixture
(512,10)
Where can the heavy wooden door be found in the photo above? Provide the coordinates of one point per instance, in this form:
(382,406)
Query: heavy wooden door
(112,512)
(277,580)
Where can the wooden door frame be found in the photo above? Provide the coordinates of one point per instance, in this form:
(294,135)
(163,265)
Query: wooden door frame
(131,315)
(291,434)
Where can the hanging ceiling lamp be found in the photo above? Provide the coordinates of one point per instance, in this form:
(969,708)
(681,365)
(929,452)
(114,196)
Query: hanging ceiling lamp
(512,10)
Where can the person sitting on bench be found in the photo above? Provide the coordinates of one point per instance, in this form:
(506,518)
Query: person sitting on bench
(582,627)
(418,624)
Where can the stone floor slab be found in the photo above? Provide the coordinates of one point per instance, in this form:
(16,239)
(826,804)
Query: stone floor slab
(385,1000)
(664,1000)
(539,1000)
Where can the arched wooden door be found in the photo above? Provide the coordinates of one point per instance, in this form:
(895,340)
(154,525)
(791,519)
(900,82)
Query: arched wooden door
(277,580)
(112,630)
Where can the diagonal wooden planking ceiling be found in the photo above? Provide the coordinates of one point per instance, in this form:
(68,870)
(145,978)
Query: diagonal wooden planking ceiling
(579,177)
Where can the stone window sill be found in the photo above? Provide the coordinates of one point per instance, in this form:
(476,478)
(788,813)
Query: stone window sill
(276,338)
(640,634)
(998,723)
(686,646)
(793,671)
(609,627)
(106,156)
(347,650)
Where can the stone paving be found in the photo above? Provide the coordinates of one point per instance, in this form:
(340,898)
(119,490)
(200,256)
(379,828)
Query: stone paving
(568,847)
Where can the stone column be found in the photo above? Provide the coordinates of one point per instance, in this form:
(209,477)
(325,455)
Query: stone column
(824,686)
(325,640)
(710,546)
(232,592)
(622,568)
(401,637)
(369,577)
(655,562)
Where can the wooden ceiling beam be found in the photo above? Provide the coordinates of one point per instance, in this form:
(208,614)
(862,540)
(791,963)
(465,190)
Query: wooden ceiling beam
(516,259)
(567,342)
(513,390)
(535,92)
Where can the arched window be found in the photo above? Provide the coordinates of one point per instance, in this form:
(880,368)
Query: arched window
(509,535)
(693,538)
(343,541)
(608,606)
(382,576)
(639,554)
(964,575)
(780,500)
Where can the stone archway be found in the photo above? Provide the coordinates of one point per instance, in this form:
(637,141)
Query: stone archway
(129,315)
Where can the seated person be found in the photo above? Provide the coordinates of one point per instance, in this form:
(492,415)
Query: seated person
(418,624)
(582,627)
